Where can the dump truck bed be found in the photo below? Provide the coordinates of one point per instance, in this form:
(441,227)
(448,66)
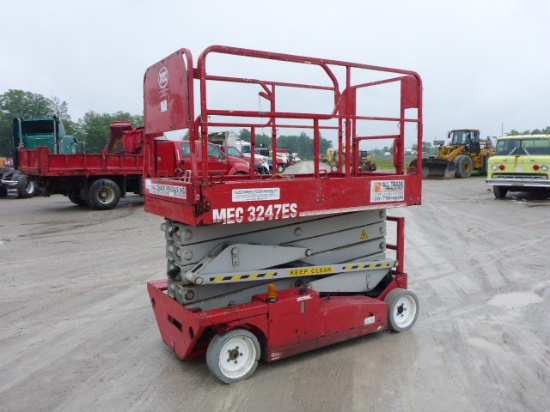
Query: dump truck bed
(41,162)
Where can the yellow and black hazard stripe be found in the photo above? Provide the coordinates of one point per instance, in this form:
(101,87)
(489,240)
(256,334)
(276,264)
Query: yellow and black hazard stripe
(368,266)
(243,277)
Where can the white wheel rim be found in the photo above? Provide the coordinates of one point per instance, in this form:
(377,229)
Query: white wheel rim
(106,195)
(237,357)
(30,187)
(404,311)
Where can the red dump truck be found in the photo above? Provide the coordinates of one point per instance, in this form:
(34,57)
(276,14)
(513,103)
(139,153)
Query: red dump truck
(94,180)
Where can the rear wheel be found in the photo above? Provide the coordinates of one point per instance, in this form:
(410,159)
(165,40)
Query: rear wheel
(280,168)
(500,192)
(464,166)
(233,357)
(402,309)
(77,199)
(104,194)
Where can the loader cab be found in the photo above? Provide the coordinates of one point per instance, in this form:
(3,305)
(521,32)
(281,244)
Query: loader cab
(467,137)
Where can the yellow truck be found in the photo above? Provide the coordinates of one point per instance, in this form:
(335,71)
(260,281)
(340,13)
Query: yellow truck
(521,163)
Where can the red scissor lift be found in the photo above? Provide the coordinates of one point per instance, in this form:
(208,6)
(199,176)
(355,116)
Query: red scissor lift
(274,265)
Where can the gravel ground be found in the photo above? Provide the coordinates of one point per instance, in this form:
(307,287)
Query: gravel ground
(77,331)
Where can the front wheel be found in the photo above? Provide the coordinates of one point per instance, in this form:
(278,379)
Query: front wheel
(464,166)
(402,309)
(500,192)
(26,187)
(233,357)
(104,194)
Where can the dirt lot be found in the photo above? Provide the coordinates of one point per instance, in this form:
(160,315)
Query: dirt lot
(78,332)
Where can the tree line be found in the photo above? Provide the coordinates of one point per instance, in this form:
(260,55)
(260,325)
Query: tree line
(301,144)
(93,129)
(546,130)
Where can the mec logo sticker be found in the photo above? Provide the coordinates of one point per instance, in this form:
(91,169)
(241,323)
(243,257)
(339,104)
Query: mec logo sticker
(163,77)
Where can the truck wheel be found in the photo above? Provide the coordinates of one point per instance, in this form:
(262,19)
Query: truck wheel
(464,166)
(500,192)
(280,168)
(104,194)
(26,187)
(233,357)
(402,309)
(77,200)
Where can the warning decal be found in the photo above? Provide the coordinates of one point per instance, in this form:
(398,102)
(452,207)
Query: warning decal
(254,195)
(311,271)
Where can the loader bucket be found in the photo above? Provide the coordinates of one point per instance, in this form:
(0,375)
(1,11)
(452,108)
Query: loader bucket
(434,168)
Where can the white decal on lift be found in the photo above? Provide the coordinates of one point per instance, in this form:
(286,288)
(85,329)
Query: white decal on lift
(253,195)
(301,298)
(387,191)
(179,192)
(259,213)
(164,106)
(370,320)
(275,355)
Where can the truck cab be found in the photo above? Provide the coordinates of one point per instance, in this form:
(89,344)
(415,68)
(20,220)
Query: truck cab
(174,157)
(521,163)
(46,131)
(31,134)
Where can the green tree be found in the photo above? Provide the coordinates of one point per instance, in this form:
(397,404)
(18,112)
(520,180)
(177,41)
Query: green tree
(427,147)
(19,103)
(93,128)
(261,139)
(301,144)
(545,130)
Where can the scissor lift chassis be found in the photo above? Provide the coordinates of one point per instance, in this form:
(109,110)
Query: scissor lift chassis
(368,293)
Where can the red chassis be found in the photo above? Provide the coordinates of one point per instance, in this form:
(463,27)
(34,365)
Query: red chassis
(298,321)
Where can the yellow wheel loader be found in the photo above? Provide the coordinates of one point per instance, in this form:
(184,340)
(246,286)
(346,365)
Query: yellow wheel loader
(465,153)
(366,163)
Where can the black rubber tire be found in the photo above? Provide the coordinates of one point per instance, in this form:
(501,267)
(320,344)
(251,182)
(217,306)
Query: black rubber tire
(500,192)
(26,186)
(77,200)
(104,194)
(280,168)
(233,357)
(464,166)
(402,309)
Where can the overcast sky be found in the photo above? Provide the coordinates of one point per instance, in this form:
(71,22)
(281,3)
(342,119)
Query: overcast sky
(484,63)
